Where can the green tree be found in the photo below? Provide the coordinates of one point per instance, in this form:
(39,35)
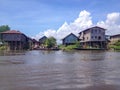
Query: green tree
(115,46)
(117,43)
(77,44)
(4,28)
(50,42)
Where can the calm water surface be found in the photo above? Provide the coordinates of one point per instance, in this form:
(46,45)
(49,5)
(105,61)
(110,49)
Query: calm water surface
(58,70)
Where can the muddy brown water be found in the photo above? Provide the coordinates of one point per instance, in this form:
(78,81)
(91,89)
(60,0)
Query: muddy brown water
(60,70)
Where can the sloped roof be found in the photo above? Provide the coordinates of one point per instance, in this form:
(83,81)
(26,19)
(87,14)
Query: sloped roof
(43,37)
(69,35)
(113,36)
(34,40)
(91,28)
(12,32)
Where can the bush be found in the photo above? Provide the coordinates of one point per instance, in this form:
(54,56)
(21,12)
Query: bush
(115,46)
(117,43)
(50,42)
(2,47)
(69,47)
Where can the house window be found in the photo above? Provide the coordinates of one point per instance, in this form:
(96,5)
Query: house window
(91,31)
(92,37)
(95,31)
(95,37)
(99,38)
(99,31)
(87,38)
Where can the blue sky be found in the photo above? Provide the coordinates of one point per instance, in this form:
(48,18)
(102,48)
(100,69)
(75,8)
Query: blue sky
(34,16)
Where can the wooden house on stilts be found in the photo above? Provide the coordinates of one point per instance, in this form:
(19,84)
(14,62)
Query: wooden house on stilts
(15,40)
(93,38)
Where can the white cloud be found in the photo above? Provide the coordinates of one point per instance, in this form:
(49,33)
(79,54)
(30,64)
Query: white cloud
(63,31)
(113,18)
(84,20)
(112,23)
(50,33)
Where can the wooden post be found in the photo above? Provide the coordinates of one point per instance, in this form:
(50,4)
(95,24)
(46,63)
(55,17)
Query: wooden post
(11,46)
(15,45)
(90,44)
(101,44)
(20,45)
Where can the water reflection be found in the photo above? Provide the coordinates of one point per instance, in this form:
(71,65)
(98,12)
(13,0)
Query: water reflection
(59,70)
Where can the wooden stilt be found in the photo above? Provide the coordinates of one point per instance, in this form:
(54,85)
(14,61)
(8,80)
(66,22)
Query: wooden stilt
(101,45)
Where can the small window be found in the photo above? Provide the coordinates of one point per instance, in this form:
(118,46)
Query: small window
(95,30)
(99,38)
(87,38)
(91,31)
(95,37)
(99,31)
(83,38)
(92,37)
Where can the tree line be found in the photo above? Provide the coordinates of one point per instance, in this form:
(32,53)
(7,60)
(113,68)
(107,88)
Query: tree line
(49,43)
(4,28)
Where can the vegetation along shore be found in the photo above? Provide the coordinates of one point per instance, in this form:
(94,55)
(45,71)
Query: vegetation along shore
(93,38)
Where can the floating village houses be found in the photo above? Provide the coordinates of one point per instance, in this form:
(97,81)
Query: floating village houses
(90,38)
(15,40)
(35,44)
(93,38)
(30,43)
(70,39)
(42,40)
(114,38)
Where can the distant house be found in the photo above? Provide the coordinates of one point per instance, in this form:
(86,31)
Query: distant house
(42,40)
(30,43)
(15,40)
(93,37)
(114,38)
(35,43)
(70,39)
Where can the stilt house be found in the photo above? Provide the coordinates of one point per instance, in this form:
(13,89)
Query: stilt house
(15,40)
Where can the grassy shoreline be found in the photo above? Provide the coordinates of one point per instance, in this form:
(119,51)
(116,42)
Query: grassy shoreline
(115,46)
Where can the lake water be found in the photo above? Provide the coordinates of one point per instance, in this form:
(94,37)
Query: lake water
(60,70)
